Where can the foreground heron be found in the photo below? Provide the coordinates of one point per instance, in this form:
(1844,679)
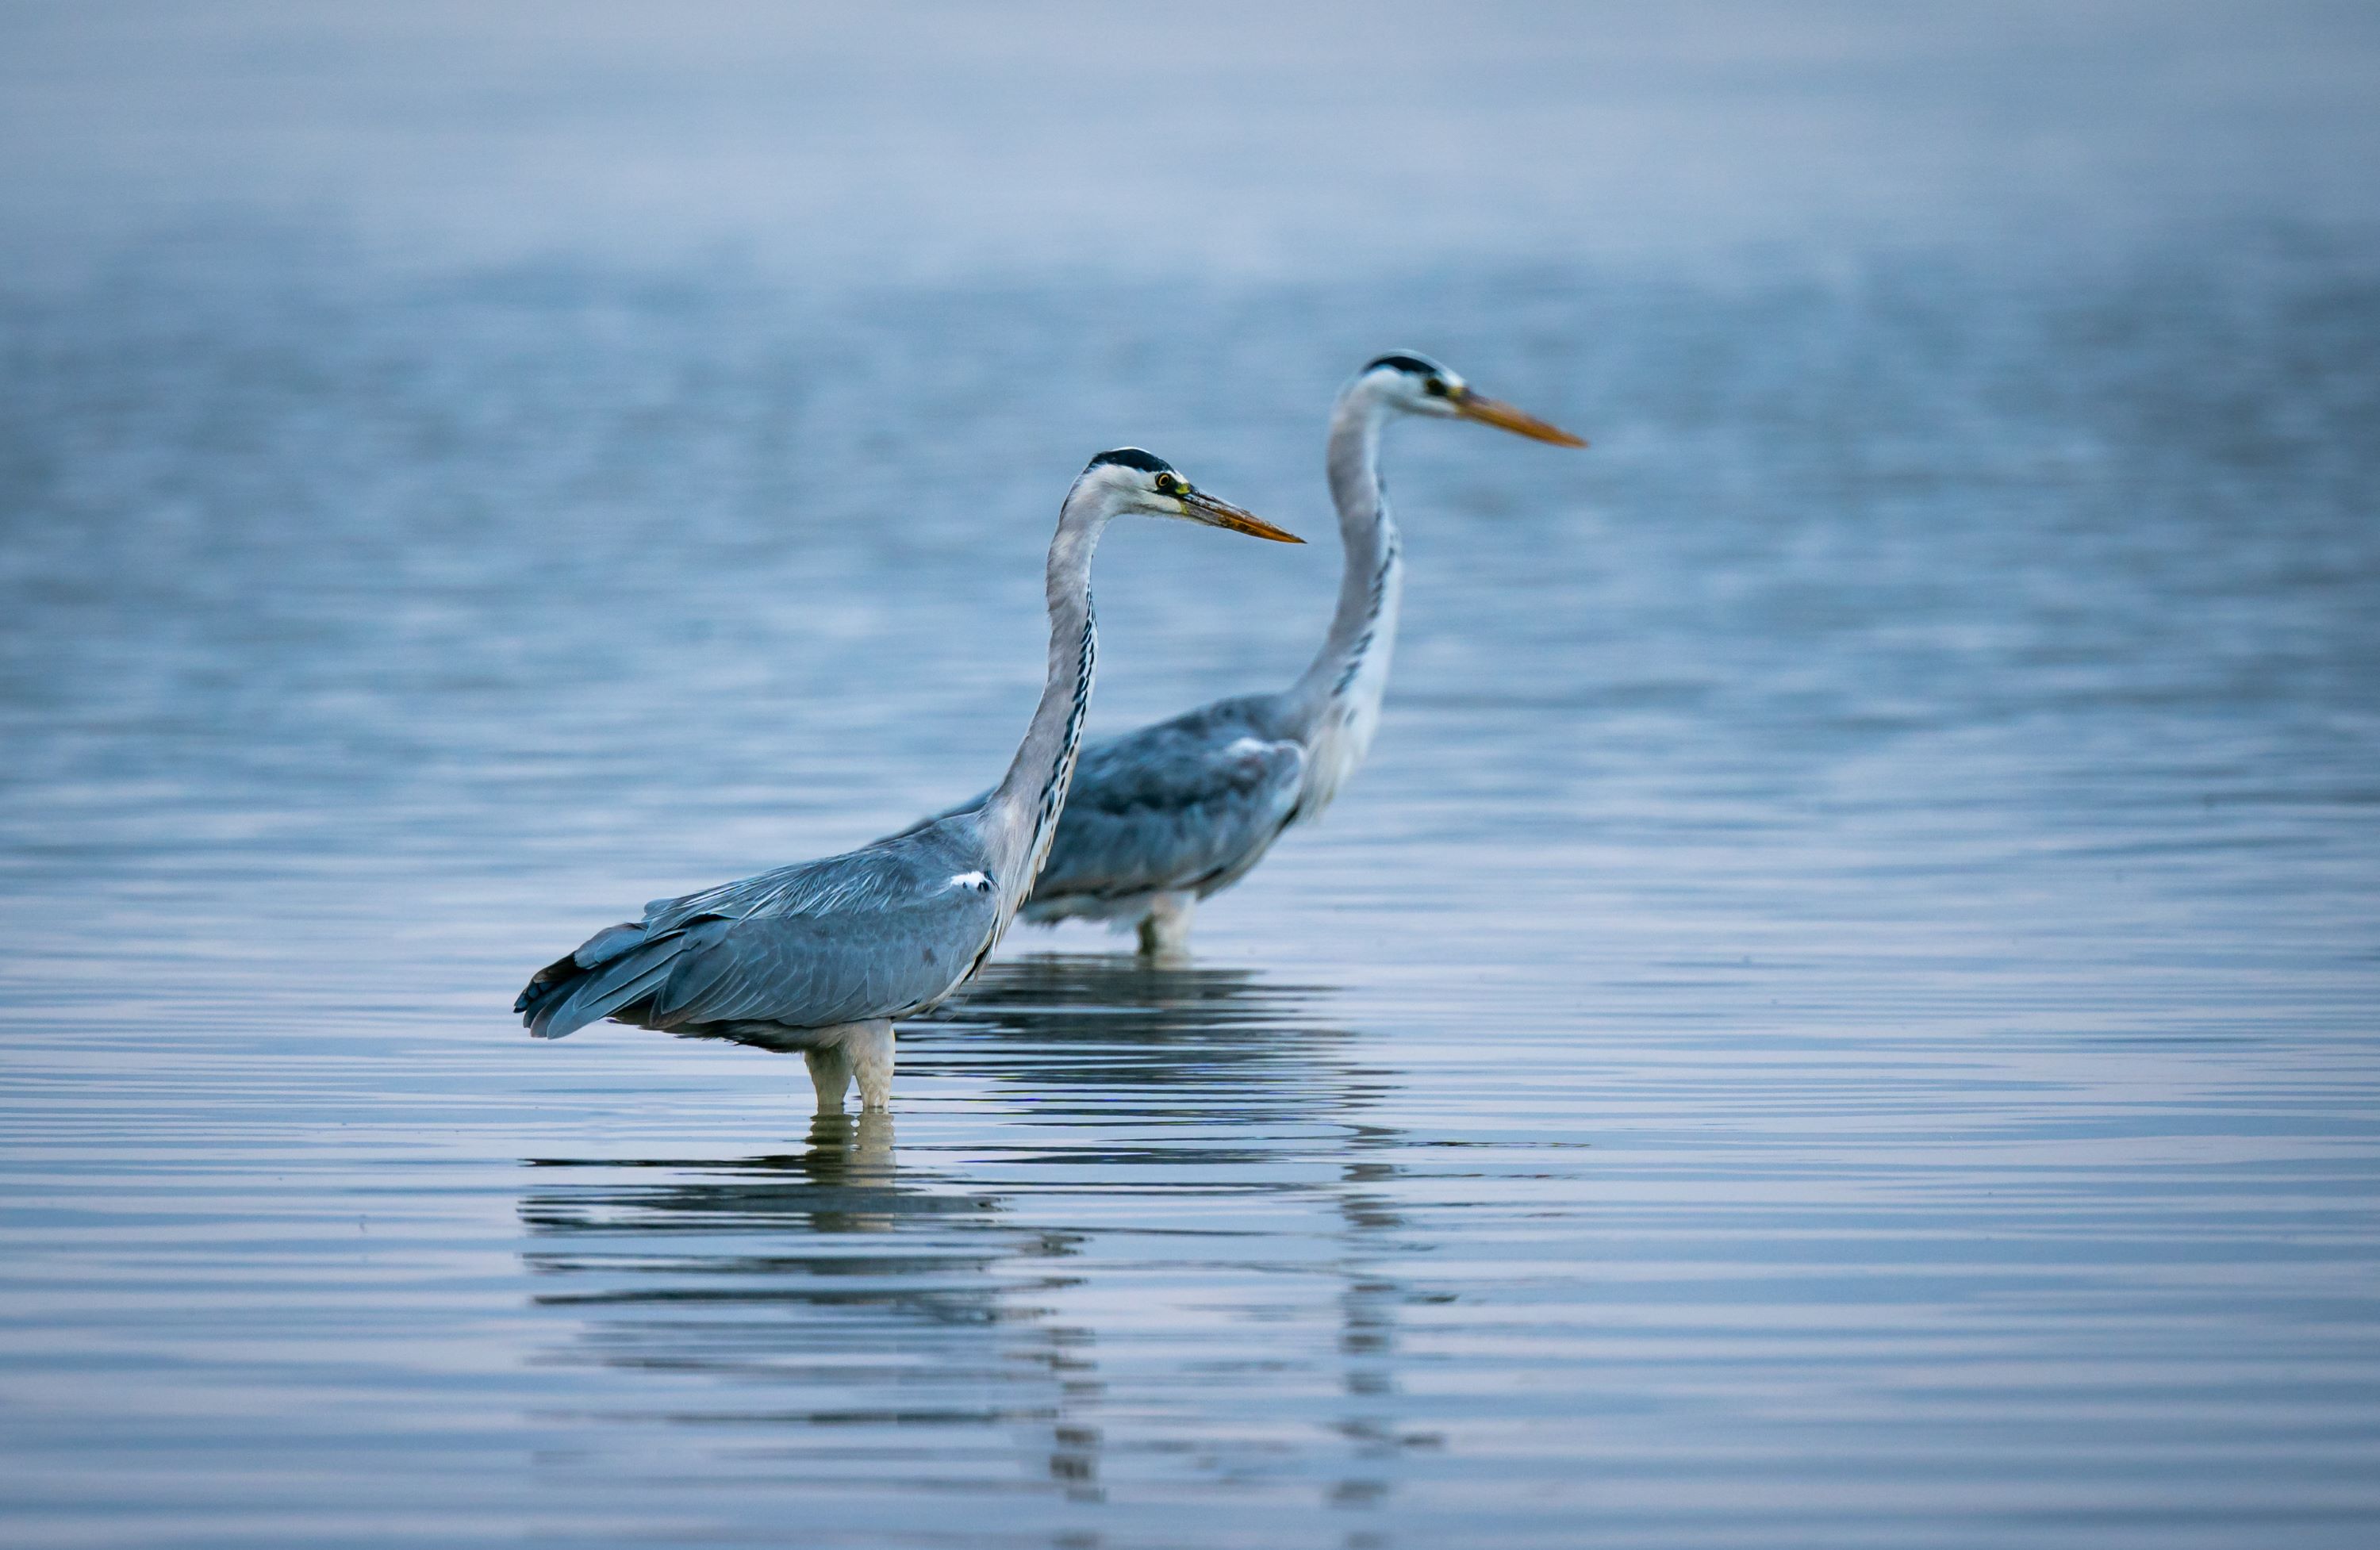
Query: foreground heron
(837,949)
(1163,816)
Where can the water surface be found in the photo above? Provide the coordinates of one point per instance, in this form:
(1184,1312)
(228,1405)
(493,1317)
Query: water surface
(1841,1011)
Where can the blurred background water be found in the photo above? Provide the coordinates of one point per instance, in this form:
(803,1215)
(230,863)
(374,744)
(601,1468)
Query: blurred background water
(1841,1011)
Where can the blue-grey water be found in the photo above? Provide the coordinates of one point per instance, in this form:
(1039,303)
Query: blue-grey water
(1844,1008)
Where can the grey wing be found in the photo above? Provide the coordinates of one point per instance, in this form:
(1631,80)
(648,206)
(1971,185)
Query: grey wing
(1189,804)
(886,875)
(812,971)
(876,932)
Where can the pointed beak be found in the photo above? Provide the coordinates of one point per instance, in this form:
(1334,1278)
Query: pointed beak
(1199,506)
(1503,417)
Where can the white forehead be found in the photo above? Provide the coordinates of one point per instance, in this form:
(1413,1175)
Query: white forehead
(1120,476)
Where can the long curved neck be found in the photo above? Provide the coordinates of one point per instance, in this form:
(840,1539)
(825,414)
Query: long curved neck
(1336,704)
(1354,662)
(1020,817)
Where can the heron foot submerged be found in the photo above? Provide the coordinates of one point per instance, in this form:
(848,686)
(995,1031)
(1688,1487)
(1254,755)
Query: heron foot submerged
(1165,929)
(854,1051)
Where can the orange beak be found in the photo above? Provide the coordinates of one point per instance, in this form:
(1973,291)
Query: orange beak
(1503,417)
(1199,506)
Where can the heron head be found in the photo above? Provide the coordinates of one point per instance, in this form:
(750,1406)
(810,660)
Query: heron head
(1132,482)
(1418,385)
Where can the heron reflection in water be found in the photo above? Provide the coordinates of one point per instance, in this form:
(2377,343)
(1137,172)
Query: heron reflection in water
(1181,809)
(842,1284)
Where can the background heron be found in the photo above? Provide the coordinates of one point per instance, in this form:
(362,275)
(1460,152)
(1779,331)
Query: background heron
(1161,818)
(839,948)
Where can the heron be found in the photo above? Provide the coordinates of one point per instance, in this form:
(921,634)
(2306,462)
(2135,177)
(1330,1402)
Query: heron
(1164,817)
(829,954)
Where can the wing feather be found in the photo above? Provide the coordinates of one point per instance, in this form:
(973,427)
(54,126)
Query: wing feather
(602,991)
(877,932)
(1189,804)
(813,971)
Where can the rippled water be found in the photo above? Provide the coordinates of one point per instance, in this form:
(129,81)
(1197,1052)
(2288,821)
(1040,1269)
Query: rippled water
(1841,1011)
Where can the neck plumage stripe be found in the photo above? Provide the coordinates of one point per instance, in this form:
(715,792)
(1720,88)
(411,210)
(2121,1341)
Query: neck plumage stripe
(1053,790)
(1052,800)
(1376,602)
(1349,666)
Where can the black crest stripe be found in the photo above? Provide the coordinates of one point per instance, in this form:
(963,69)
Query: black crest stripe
(1132,457)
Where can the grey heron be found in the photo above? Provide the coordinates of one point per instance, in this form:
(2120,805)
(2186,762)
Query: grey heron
(835,950)
(1161,818)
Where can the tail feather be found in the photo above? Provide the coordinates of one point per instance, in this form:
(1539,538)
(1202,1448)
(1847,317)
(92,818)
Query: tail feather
(576,997)
(583,1005)
(609,943)
(558,976)
(566,971)
(545,983)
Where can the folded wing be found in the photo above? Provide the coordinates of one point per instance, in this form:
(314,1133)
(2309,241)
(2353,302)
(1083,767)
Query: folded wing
(1189,804)
(877,932)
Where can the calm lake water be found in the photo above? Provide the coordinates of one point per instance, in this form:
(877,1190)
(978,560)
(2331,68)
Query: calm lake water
(1843,1010)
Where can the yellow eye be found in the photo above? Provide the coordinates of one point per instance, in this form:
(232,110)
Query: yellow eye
(1166,484)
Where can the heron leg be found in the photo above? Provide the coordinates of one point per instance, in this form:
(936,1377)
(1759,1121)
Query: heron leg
(870,1046)
(1165,929)
(830,1074)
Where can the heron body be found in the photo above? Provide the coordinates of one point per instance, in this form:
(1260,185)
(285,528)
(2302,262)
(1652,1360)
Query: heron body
(1166,816)
(838,950)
